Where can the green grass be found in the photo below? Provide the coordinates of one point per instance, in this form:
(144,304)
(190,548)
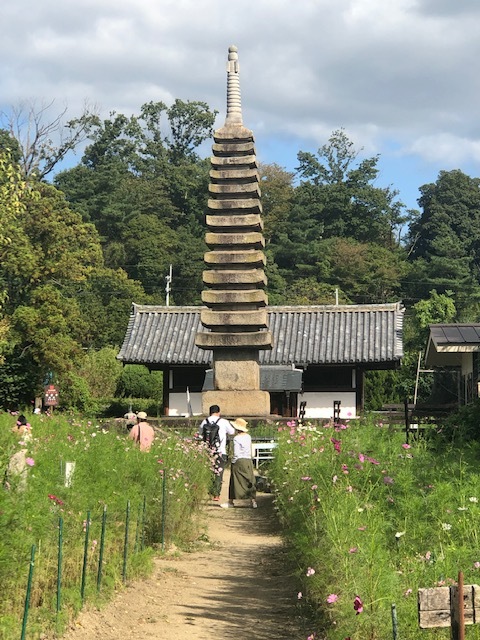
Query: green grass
(110,473)
(375,518)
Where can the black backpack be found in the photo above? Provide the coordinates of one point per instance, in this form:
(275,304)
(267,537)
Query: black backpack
(211,434)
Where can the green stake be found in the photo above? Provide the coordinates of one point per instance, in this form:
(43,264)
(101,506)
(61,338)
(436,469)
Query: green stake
(85,556)
(102,544)
(59,562)
(125,546)
(29,590)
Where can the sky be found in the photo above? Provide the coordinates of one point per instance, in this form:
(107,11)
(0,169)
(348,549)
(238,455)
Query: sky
(399,76)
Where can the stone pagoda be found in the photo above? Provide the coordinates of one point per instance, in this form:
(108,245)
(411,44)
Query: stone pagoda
(235,318)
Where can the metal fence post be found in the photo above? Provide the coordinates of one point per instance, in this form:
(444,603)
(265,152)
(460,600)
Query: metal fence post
(102,544)
(125,546)
(85,556)
(59,562)
(29,590)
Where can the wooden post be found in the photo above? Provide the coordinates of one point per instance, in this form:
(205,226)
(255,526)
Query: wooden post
(457,610)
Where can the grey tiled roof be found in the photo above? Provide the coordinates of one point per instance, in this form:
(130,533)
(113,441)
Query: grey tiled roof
(455,334)
(325,334)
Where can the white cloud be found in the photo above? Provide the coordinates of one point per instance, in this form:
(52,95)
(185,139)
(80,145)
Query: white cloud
(386,70)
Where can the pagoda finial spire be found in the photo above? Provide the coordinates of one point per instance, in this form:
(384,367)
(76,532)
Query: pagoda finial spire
(234,103)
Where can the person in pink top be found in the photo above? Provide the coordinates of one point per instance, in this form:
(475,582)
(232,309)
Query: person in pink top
(142,433)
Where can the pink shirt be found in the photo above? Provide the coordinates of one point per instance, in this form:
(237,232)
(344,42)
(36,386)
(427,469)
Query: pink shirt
(147,434)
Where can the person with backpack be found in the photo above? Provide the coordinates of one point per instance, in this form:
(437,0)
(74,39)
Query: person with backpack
(214,431)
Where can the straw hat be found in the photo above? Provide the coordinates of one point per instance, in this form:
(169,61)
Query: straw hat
(240,425)
(142,415)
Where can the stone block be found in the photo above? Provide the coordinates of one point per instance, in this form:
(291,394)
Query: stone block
(236,375)
(253,239)
(236,147)
(248,296)
(251,339)
(254,277)
(251,220)
(255,318)
(251,189)
(226,161)
(234,203)
(241,404)
(234,174)
(252,258)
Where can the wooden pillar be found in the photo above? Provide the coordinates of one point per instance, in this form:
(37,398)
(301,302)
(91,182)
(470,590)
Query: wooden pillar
(166,391)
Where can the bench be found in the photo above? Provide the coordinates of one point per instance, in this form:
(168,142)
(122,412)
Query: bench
(262,451)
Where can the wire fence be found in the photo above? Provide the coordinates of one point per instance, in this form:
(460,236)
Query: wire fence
(132,544)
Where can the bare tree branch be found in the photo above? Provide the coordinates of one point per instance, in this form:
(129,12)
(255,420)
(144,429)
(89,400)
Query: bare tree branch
(45,140)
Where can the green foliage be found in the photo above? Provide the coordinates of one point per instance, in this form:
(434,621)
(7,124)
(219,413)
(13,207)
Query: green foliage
(382,387)
(101,371)
(443,240)
(138,382)
(437,309)
(350,206)
(110,472)
(463,426)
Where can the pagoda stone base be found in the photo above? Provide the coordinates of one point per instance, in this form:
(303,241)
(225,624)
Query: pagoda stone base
(236,372)
(237,404)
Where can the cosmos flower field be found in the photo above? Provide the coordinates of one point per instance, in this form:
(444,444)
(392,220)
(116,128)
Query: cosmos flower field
(372,519)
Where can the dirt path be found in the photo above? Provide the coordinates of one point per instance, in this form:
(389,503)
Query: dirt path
(238,587)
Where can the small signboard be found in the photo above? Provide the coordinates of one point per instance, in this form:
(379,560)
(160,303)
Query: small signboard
(51,396)
(449,607)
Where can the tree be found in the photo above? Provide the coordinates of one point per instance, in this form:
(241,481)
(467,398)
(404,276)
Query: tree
(277,195)
(348,205)
(43,140)
(143,186)
(444,241)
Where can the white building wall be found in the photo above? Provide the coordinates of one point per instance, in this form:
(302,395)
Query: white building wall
(320,404)
(467,363)
(178,404)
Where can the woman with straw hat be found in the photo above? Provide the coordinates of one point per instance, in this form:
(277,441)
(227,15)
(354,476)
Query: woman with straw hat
(242,477)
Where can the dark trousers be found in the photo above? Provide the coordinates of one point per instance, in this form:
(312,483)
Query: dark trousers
(219,468)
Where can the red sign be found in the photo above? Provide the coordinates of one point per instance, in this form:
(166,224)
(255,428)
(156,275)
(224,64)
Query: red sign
(51,396)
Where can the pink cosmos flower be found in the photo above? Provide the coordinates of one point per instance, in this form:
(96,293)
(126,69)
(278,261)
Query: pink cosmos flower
(291,423)
(361,457)
(358,605)
(305,478)
(337,445)
(372,460)
(333,597)
(407,593)
(476,565)
(299,595)
(353,550)
(310,571)
(406,446)
(29,461)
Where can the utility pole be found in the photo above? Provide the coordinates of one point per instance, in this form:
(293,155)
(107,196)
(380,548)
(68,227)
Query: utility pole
(168,287)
